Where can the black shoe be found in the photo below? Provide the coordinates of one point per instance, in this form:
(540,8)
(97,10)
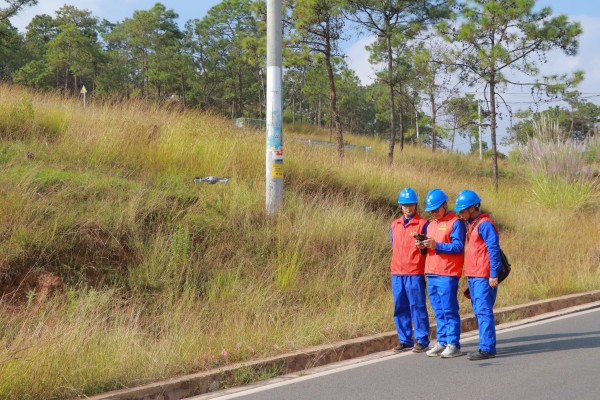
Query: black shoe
(401,347)
(419,348)
(480,355)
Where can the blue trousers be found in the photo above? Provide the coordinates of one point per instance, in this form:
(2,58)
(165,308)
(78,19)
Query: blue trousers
(483,298)
(443,298)
(410,308)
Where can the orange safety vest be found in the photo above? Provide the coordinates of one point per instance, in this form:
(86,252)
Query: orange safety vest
(406,256)
(443,263)
(477,260)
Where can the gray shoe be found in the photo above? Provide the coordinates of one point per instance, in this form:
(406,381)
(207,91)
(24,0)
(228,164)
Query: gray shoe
(436,350)
(451,351)
(420,348)
(401,348)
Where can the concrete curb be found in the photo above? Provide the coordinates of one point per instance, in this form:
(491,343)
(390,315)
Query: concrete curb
(204,382)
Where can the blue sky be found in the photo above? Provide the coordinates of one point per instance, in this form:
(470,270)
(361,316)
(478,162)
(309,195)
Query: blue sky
(190,9)
(117,10)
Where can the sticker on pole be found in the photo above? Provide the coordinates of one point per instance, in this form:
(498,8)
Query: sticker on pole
(274,137)
(83,90)
(277,171)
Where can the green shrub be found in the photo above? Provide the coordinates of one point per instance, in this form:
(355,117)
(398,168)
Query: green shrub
(565,195)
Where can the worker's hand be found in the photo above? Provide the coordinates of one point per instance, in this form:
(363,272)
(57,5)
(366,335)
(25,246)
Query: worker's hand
(494,282)
(419,244)
(429,243)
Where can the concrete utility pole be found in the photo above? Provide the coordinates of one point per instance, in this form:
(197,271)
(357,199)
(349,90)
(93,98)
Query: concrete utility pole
(83,92)
(274,200)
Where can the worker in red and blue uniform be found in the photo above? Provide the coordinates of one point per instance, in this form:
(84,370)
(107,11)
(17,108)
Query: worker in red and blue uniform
(408,276)
(443,268)
(482,267)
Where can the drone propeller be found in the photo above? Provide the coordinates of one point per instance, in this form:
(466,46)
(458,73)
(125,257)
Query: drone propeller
(211,179)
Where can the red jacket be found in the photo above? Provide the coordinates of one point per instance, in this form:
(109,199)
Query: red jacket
(407,259)
(477,259)
(443,263)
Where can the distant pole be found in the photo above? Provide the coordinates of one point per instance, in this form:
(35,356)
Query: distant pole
(479,118)
(274,159)
(417,122)
(83,92)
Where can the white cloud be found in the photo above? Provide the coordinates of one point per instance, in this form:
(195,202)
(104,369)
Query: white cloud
(358,60)
(588,58)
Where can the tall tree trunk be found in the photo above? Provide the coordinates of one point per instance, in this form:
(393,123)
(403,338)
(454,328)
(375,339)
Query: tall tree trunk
(144,93)
(318,116)
(205,91)
(390,155)
(293,110)
(240,102)
(66,80)
(433,119)
(493,129)
(301,111)
(183,92)
(302,95)
(144,73)
(260,93)
(330,117)
(401,126)
(333,96)
(453,134)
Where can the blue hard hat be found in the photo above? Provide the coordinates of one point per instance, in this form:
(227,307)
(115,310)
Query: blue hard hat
(466,199)
(408,196)
(434,200)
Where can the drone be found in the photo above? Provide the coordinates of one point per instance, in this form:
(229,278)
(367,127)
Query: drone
(211,179)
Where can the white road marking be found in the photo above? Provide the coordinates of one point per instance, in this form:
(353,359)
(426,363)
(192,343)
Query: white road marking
(367,360)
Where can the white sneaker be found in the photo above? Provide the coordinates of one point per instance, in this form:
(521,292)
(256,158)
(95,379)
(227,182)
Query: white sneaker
(436,350)
(451,351)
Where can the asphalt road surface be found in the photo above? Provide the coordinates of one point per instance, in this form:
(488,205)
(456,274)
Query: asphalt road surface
(557,358)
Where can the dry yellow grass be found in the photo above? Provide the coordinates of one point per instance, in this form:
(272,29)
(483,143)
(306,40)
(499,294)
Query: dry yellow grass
(163,277)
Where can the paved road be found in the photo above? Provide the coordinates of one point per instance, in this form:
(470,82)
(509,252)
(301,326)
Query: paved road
(553,359)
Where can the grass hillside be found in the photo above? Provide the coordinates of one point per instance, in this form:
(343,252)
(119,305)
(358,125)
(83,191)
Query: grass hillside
(116,270)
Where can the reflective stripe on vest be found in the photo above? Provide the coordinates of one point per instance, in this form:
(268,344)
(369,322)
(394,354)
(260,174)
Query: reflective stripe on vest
(406,257)
(443,263)
(477,259)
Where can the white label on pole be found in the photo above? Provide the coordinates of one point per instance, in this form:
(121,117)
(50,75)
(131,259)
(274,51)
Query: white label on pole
(277,155)
(274,96)
(83,90)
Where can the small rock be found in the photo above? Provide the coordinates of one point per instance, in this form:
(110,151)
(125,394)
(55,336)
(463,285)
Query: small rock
(214,386)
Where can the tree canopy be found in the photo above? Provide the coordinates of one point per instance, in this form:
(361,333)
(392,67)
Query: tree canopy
(496,37)
(217,63)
